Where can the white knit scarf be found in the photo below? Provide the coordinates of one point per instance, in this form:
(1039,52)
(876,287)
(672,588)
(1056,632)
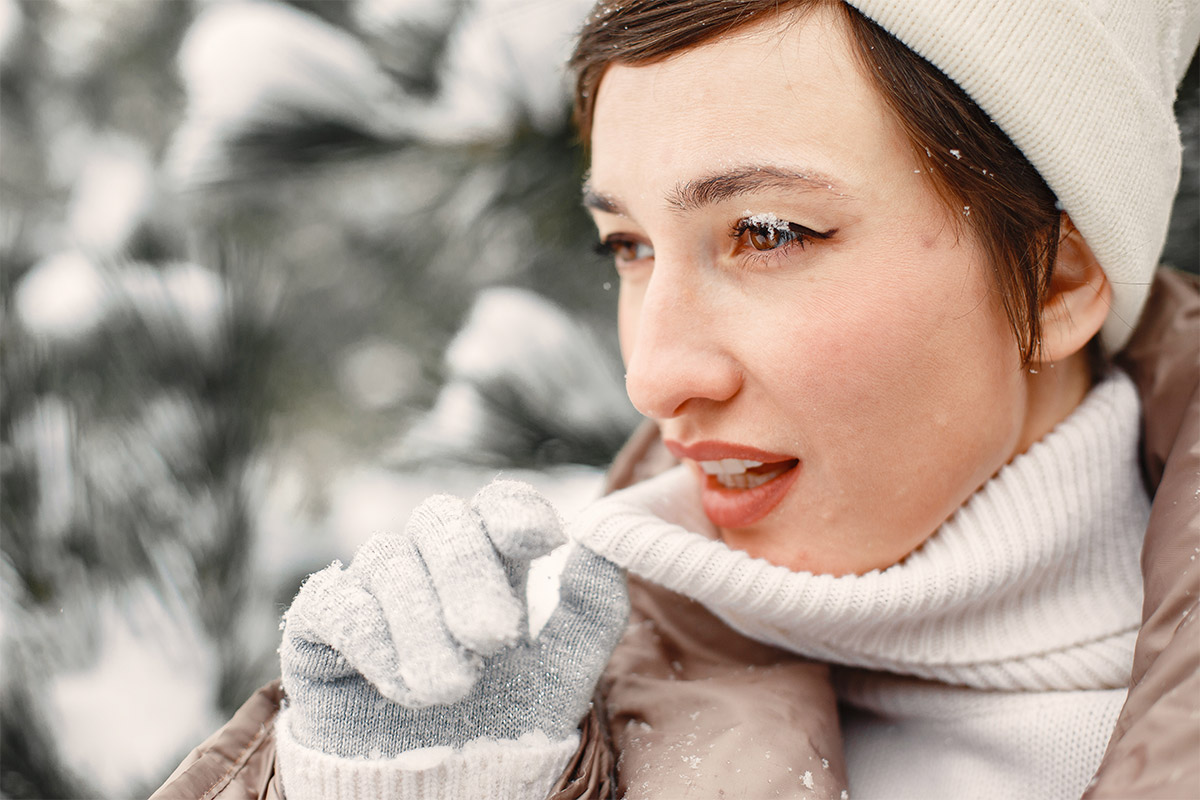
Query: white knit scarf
(1033,584)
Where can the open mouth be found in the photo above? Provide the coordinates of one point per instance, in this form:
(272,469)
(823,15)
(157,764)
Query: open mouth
(737,473)
(739,484)
(740,492)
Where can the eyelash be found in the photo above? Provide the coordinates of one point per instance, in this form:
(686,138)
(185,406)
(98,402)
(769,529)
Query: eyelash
(792,235)
(611,247)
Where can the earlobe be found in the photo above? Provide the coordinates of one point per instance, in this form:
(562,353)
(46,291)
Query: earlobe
(1077,300)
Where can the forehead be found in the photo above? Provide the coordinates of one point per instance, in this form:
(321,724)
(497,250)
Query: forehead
(786,90)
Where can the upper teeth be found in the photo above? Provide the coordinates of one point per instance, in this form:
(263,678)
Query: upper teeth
(728,466)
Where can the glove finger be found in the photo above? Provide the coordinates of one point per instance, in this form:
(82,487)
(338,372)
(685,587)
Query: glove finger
(429,665)
(334,629)
(478,605)
(521,524)
(519,520)
(305,652)
(580,635)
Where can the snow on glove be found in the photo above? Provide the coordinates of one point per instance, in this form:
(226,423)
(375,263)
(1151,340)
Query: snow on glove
(423,640)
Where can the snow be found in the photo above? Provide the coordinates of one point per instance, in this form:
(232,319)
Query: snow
(457,414)
(516,333)
(242,63)
(504,63)
(112,195)
(768,220)
(149,696)
(66,297)
(505,320)
(63,296)
(239,60)
(523,378)
(382,16)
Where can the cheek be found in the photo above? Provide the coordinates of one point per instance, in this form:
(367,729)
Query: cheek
(858,343)
(916,357)
(904,400)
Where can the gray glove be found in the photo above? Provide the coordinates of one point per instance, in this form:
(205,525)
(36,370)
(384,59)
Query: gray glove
(423,640)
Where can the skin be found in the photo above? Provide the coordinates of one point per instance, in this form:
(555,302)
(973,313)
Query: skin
(879,356)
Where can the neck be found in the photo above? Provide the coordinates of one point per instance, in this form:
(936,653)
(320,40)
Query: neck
(1054,389)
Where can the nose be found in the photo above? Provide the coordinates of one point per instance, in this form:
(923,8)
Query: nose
(675,345)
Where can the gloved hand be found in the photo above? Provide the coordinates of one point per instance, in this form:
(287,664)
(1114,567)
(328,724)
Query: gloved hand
(423,640)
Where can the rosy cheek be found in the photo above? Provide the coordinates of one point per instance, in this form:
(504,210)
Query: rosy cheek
(851,338)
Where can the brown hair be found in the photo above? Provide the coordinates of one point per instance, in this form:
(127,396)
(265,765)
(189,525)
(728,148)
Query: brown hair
(974,167)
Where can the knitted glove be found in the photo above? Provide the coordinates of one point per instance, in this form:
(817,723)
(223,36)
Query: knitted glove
(423,640)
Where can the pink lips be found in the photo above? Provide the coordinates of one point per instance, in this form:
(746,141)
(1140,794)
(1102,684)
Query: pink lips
(737,508)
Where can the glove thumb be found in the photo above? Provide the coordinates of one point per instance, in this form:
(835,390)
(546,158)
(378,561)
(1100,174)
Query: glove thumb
(593,608)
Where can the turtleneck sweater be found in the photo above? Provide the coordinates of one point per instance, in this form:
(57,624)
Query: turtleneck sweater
(989,663)
(994,656)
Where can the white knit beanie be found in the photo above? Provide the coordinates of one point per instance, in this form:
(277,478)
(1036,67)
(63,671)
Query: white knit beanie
(1085,88)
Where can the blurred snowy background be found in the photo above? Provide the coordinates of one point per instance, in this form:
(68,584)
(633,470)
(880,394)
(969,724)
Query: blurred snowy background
(271,274)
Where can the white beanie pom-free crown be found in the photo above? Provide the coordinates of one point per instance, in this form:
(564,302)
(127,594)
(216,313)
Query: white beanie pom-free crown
(1085,88)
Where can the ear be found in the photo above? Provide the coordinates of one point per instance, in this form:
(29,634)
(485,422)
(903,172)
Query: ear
(1078,298)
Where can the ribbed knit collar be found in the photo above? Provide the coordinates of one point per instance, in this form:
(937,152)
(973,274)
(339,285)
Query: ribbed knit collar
(1034,583)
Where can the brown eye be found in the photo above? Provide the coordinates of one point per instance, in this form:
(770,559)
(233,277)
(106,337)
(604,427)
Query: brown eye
(624,250)
(767,238)
(767,232)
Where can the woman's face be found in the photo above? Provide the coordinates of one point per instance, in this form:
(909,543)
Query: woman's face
(794,295)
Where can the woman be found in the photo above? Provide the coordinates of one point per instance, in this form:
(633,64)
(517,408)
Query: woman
(868,310)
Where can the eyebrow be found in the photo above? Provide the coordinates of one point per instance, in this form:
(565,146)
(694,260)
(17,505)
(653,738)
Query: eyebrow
(602,202)
(722,186)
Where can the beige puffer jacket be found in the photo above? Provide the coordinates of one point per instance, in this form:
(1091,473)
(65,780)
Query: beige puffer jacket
(1154,751)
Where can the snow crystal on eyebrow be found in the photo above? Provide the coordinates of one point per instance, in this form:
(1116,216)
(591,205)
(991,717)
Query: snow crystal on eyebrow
(767,220)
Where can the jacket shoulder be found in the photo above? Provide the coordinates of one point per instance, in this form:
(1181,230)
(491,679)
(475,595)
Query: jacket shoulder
(236,761)
(1162,357)
(1155,747)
